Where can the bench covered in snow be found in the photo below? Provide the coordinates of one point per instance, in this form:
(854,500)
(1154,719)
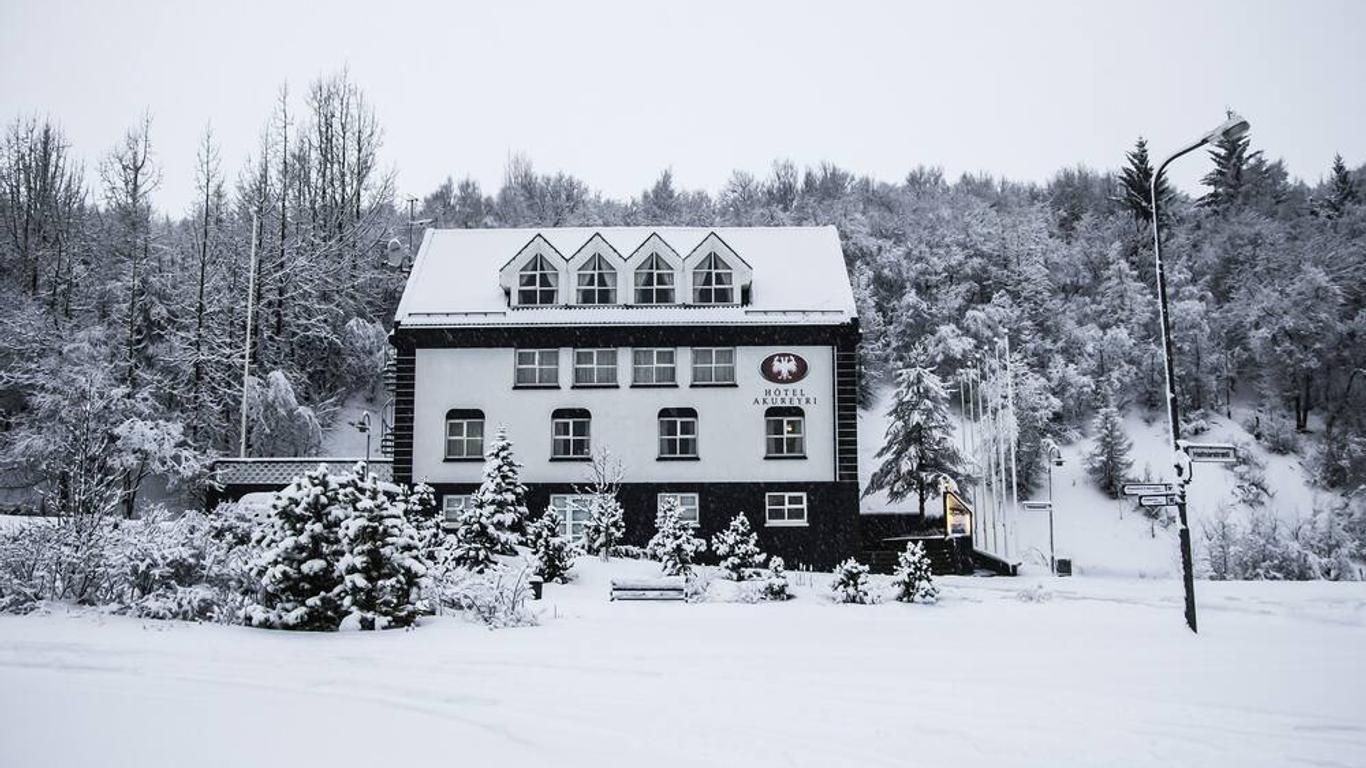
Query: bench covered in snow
(662,588)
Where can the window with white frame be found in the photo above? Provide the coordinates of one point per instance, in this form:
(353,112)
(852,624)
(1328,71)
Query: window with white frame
(655,281)
(678,433)
(713,365)
(597,282)
(595,367)
(573,511)
(465,434)
(784,433)
(453,505)
(538,283)
(653,366)
(538,368)
(688,508)
(569,433)
(785,508)
(713,282)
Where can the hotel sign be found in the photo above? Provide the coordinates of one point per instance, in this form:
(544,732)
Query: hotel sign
(783,368)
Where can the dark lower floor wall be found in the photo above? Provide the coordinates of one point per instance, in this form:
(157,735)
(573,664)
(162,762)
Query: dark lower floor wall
(830,535)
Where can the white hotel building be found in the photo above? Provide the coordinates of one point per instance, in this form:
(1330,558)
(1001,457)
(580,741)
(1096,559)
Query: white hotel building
(718,365)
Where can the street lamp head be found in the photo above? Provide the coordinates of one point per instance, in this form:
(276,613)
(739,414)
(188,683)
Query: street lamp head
(1235,127)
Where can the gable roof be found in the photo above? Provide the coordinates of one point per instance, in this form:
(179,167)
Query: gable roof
(798,277)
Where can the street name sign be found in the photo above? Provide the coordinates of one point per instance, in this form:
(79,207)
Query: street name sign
(1037,504)
(1212,453)
(1145,489)
(1157,501)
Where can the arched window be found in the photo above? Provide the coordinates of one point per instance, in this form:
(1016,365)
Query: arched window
(569,433)
(713,282)
(538,283)
(655,281)
(597,282)
(677,433)
(464,434)
(784,433)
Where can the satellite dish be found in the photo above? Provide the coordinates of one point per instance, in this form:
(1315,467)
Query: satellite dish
(393,253)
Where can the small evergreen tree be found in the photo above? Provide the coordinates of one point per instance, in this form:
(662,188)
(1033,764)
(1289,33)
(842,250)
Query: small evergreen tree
(481,533)
(419,507)
(1136,185)
(919,443)
(775,586)
(673,544)
(850,584)
(1341,194)
(1109,462)
(296,565)
(738,548)
(605,527)
(381,563)
(549,550)
(502,488)
(913,578)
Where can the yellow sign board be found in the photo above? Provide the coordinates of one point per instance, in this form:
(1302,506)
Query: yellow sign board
(957,515)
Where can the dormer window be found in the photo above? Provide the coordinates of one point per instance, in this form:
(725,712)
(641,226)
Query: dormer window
(713,282)
(597,282)
(538,283)
(655,281)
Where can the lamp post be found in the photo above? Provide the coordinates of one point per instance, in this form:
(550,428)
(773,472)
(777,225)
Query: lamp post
(1233,127)
(1054,460)
(362,425)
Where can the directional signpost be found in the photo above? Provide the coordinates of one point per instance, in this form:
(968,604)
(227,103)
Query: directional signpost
(1038,506)
(1146,489)
(1212,453)
(1158,501)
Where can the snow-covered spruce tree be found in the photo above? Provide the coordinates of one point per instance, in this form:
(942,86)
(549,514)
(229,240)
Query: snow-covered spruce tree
(299,587)
(481,533)
(919,443)
(502,490)
(738,548)
(419,507)
(1109,462)
(913,579)
(381,565)
(551,552)
(673,544)
(850,584)
(775,585)
(605,527)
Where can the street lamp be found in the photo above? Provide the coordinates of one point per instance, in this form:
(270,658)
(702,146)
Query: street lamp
(362,425)
(1232,128)
(1054,460)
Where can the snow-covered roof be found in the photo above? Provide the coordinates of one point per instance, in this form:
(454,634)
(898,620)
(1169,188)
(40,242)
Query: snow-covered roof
(798,277)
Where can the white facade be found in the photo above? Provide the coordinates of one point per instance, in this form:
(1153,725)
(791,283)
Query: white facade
(731,419)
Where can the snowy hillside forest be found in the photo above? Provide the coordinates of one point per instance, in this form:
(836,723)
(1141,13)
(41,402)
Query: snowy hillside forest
(123,323)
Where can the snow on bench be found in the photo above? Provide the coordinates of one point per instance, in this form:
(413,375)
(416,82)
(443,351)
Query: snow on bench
(662,588)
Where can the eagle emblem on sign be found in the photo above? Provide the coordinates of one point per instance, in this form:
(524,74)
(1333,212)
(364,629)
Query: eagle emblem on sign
(783,368)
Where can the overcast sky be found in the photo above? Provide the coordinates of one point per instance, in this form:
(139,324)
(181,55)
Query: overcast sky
(615,92)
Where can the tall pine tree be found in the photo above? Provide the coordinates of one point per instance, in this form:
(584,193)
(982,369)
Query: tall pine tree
(1109,462)
(1135,185)
(1341,193)
(919,444)
(1229,178)
(502,490)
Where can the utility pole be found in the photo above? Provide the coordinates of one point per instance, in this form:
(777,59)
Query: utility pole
(246,352)
(412,201)
(1013,434)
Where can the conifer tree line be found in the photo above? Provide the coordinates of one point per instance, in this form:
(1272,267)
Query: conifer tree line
(102,284)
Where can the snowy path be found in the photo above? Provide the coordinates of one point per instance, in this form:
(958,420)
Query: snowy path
(1102,673)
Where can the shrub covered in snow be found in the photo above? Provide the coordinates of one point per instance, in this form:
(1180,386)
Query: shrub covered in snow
(912,578)
(496,596)
(738,548)
(673,544)
(551,553)
(605,527)
(1261,546)
(775,583)
(850,584)
(481,534)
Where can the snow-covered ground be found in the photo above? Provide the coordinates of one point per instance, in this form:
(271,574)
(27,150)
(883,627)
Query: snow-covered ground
(1100,673)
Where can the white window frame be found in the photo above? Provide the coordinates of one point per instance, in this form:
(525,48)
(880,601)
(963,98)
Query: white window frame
(545,283)
(646,360)
(786,503)
(580,445)
(600,371)
(543,374)
(596,282)
(785,438)
(689,506)
(464,438)
(712,368)
(573,509)
(654,278)
(452,504)
(711,277)
(677,439)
